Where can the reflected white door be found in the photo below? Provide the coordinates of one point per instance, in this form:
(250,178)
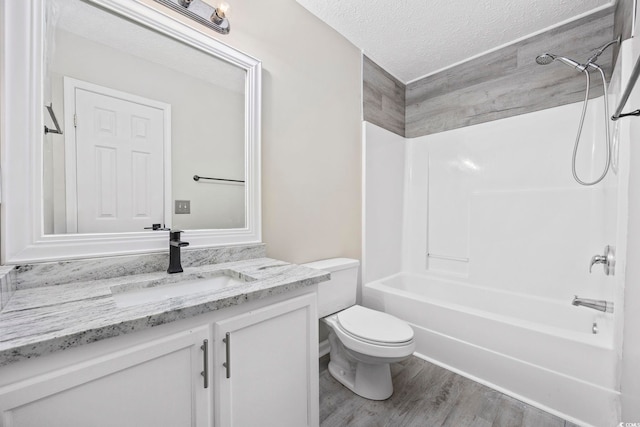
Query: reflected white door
(119,161)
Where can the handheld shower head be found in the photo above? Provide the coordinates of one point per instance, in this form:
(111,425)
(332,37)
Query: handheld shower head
(548,58)
(545,59)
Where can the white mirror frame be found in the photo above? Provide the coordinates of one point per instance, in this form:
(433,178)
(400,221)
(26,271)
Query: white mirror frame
(22,131)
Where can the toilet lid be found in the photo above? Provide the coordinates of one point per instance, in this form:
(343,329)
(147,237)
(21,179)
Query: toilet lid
(375,326)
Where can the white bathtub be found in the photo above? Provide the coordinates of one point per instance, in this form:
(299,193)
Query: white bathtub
(538,350)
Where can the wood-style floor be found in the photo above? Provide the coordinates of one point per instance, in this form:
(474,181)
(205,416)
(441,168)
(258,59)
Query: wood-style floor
(426,395)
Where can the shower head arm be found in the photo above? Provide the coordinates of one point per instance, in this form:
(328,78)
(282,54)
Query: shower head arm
(594,57)
(571,63)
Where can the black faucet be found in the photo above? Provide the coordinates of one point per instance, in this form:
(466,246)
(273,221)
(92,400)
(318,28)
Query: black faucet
(175,266)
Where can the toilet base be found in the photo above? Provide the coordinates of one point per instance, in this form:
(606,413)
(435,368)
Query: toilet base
(372,382)
(369,380)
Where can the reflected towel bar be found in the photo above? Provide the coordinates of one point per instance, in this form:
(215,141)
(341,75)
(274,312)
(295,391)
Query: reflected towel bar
(198,178)
(627,91)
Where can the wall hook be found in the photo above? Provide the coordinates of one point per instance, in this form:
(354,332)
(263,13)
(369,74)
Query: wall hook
(57,130)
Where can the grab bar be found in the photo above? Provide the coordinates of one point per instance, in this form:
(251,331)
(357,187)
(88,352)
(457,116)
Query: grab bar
(627,92)
(198,178)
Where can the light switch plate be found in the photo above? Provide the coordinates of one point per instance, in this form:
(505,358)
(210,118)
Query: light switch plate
(183,207)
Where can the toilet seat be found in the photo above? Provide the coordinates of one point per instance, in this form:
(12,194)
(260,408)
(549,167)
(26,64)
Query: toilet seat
(353,325)
(374,327)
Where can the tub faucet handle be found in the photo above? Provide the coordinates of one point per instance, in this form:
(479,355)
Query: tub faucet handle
(597,259)
(608,260)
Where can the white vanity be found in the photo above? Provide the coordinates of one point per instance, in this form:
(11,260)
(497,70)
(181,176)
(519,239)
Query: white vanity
(242,354)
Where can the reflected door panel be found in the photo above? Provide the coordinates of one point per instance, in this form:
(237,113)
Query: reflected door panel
(119,164)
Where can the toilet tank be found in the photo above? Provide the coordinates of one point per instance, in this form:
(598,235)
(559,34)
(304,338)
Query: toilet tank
(340,291)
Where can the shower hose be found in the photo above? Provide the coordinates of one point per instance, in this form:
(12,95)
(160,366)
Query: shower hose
(606,119)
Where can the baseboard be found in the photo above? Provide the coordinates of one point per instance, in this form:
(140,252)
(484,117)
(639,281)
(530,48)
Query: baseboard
(324,348)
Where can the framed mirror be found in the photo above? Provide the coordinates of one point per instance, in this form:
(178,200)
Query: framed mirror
(160,129)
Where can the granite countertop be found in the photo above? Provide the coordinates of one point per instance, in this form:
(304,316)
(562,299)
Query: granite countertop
(42,320)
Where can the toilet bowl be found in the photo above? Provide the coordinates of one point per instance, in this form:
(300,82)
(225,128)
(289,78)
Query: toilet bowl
(363,344)
(363,341)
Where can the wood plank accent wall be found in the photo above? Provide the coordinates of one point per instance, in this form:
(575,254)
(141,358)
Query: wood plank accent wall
(623,18)
(508,82)
(383,98)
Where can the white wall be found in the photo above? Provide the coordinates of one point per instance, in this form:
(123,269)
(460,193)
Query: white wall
(311,128)
(384,157)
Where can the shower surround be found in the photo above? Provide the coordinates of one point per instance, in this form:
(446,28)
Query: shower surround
(480,238)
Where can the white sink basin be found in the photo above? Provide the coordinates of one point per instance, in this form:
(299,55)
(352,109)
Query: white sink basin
(151,291)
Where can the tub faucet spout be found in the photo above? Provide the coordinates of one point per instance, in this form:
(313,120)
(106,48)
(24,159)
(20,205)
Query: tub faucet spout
(600,305)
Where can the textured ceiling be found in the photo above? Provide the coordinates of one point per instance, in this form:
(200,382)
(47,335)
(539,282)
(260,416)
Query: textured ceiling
(413,38)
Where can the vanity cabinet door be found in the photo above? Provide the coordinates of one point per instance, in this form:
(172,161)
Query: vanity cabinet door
(266,366)
(158,383)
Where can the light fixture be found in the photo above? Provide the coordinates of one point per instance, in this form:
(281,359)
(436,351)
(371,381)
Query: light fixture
(220,13)
(210,13)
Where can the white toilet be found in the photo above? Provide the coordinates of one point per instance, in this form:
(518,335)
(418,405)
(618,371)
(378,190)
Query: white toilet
(363,341)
